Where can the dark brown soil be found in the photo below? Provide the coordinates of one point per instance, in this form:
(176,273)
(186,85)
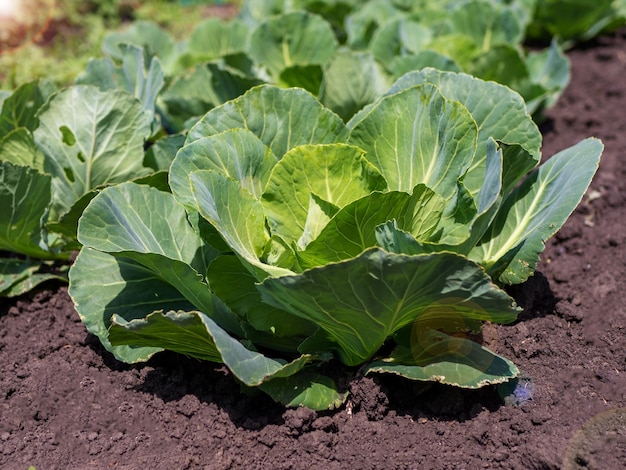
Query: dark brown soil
(65,403)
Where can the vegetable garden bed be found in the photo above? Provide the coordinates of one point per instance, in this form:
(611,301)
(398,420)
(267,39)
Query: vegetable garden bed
(67,403)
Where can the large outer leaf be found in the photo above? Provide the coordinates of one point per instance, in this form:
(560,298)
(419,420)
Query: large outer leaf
(18,276)
(418,136)
(281,118)
(137,218)
(24,198)
(237,154)
(336,173)
(297,38)
(359,303)
(141,223)
(535,210)
(102,285)
(194,334)
(499,112)
(234,284)
(237,216)
(90,138)
(435,356)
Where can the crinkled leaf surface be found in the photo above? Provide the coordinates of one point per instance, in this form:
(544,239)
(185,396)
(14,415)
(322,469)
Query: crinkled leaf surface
(237,154)
(417,136)
(499,112)
(360,302)
(90,138)
(535,210)
(237,216)
(353,229)
(141,223)
(281,118)
(335,173)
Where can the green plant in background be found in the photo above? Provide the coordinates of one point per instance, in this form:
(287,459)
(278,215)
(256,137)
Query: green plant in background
(290,237)
(57,149)
(576,20)
(483,38)
(347,53)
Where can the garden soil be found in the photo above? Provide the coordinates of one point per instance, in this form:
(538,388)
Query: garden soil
(65,403)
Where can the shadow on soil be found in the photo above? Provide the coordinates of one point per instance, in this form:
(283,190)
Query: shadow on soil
(171,377)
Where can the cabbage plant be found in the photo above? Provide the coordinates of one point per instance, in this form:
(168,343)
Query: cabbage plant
(290,238)
(57,149)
